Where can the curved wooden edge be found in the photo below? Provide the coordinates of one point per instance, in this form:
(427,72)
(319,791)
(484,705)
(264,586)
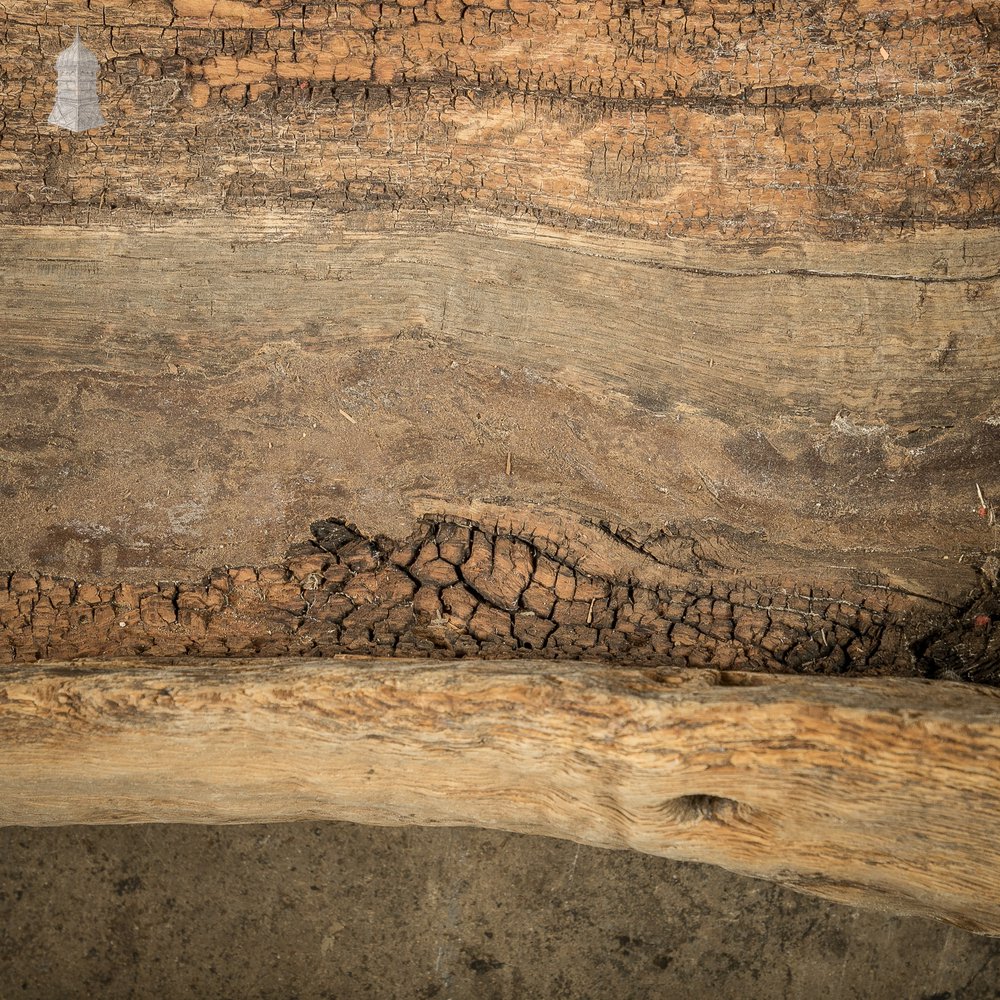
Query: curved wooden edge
(880,793)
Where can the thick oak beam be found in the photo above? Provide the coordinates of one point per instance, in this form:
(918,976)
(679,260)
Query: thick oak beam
(881,792)
(670,329)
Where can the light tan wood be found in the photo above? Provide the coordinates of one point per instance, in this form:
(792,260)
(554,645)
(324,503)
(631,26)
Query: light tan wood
(880,793)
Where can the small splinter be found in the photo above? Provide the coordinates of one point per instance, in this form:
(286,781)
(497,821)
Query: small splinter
(986,510)
(590,612)
(347,416)
(508,463)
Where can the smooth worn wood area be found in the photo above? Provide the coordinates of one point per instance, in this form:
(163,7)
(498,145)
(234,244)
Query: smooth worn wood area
(785,333)
(813,413)
(882,792)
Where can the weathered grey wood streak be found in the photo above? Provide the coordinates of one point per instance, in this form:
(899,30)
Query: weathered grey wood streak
(800,330)
(874,792)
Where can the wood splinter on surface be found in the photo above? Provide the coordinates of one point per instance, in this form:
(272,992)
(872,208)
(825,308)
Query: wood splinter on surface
(881,793)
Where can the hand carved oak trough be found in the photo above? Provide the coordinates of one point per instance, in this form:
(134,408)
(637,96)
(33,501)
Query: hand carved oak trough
(635,365)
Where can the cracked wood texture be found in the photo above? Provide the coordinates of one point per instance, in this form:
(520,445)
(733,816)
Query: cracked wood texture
(656,330)
(663,333)
(881,792)
(500,589)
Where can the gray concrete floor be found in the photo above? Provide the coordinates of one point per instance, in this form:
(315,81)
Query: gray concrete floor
(339,911)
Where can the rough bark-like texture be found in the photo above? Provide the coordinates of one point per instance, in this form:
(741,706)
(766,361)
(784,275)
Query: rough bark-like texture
(494,590)
(692,307)
(661,333)
(702,116)
(882,792)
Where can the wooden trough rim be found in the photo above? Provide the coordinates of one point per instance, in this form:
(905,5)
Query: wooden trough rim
(881,792)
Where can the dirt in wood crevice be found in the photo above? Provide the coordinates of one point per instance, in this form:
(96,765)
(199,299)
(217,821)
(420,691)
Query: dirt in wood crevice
(459,589)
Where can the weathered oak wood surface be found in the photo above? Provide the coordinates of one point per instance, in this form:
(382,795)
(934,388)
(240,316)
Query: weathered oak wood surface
(880,793)
(687,310)
(659,333)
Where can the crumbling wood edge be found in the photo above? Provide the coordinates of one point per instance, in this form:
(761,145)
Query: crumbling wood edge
(876,792)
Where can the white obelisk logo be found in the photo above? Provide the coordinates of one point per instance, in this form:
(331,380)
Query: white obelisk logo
(77,105)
